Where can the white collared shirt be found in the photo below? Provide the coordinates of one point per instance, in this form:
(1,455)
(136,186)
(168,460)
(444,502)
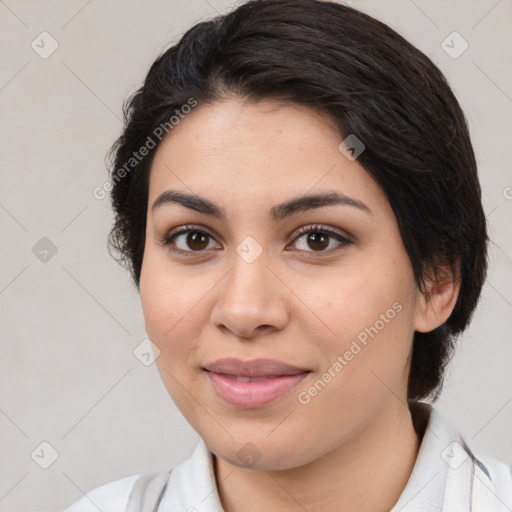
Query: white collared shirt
(447,476)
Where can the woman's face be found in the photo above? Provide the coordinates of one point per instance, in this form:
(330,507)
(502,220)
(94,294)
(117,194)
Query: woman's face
(341,305)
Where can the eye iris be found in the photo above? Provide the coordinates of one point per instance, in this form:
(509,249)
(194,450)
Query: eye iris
(197,237)
(321,240)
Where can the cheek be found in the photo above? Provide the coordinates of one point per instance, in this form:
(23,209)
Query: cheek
(371,318)
(364,366)
(355,303)
(172,312)
(170,302)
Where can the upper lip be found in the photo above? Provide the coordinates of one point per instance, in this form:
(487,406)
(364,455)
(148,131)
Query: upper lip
(252,368)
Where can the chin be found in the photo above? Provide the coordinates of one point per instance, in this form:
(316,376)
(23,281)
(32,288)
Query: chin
(259,453)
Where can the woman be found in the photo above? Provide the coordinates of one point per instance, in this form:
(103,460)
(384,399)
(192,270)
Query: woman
(296,197)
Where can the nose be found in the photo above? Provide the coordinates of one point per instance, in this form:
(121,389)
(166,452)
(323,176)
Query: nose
(251,299)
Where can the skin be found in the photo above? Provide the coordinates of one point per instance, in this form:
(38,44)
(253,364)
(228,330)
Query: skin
(352,447)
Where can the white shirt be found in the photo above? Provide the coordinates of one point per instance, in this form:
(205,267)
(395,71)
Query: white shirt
(444,478)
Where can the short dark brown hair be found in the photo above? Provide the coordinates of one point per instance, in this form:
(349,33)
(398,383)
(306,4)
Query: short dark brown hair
(376,85)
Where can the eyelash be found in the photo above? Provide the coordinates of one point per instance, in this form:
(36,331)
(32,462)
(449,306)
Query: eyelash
(344,241)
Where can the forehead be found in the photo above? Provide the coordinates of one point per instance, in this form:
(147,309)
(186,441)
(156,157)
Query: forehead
(256,152)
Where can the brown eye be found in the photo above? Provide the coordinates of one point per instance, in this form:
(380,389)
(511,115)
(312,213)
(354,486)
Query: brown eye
(197,240)
(317,241)
(319,238)
(188,239)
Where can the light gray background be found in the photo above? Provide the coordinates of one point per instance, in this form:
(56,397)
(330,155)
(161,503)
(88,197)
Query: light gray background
(70,325)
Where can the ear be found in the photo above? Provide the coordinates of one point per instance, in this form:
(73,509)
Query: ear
(436,304)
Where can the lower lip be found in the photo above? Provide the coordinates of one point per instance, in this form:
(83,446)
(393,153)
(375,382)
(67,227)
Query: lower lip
(252,394)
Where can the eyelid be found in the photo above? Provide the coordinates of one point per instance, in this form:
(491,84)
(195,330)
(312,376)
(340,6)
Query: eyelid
(323,228)
(343,239)
(185,228)
(166,239)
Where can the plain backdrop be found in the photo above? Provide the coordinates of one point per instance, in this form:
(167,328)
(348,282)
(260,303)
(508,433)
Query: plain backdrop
(71,318)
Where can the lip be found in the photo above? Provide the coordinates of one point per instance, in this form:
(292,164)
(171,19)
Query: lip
(253,367)
(230,378)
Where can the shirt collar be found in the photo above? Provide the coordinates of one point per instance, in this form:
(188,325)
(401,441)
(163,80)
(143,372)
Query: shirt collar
(192,484)
(425,489)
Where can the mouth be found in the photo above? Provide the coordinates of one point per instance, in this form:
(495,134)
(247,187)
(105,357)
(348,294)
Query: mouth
(252,384)
(254,368)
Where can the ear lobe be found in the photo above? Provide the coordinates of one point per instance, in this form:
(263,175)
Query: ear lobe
(436,304)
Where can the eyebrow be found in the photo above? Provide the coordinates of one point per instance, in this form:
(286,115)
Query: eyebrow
(277,212)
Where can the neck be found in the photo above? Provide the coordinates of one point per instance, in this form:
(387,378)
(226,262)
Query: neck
(367,473)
